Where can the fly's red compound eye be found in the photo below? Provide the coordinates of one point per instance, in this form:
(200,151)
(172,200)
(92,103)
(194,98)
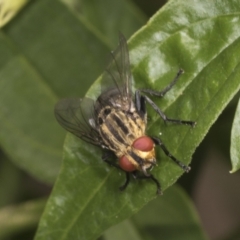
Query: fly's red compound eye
(144,144)
(126,165)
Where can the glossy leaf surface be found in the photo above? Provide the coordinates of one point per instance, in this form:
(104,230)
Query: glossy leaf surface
(46,53)
(106,17)
(203,39)
(235,141)
(8,10)
(163,217)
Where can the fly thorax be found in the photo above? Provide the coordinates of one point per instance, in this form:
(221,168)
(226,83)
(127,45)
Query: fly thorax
(119,128)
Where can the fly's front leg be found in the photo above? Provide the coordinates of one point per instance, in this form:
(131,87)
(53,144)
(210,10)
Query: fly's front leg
(105,158)
(150,176)
(158,142)
(123,187)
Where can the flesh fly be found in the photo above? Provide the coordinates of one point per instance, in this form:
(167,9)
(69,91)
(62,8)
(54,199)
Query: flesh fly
(117,120)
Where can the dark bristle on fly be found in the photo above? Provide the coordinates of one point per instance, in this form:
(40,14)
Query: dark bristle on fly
(117,120)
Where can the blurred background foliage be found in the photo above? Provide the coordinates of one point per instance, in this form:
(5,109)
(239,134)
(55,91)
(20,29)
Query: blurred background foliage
(209,185)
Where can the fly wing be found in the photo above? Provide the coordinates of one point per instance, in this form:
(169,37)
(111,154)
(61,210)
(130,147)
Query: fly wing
(77,116)
(118,73)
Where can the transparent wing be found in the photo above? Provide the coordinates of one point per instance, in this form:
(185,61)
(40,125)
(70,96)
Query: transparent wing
(77,116)
(118,73)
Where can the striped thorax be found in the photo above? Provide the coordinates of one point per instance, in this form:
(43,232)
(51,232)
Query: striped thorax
(120,126)
(117,123)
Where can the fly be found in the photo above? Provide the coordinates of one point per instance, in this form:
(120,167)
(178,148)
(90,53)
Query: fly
(117,120)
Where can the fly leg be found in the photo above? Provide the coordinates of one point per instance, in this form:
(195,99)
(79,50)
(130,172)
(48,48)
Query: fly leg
(140,103)
(165,118)
(162,115)
(121,188)
(150,176)
(140,100)
(166,89)
(158,142)
(105,158)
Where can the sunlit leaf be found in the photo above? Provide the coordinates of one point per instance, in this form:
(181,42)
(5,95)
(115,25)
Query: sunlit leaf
(235,141)
(203,39)
(97,14)
(172,216)
(46,53)
(17,218)
(9,8)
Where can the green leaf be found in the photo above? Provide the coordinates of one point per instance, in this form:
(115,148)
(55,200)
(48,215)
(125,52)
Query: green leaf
(173,216)
(46,52)
(121,16)
(17,218)
(9,8)
(235,141)
(203,39)
(124,230)
(27,124)
(10,181)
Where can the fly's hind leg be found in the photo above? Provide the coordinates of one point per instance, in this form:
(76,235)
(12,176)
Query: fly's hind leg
(166,89)
(140,103)
(105,158)
(165,118)
(158,142)
(141,98)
